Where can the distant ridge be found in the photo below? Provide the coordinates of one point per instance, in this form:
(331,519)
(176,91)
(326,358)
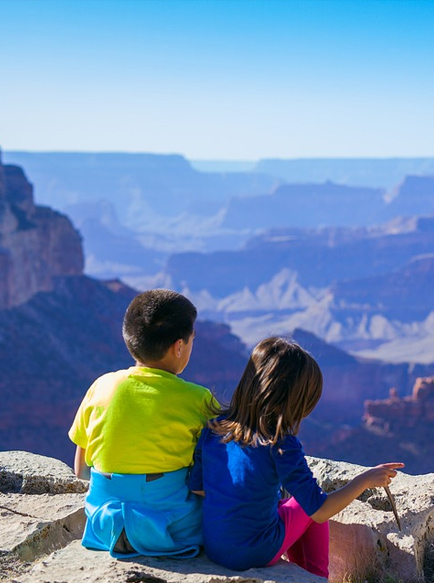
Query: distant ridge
(374,172)
(165,184)
(224,165)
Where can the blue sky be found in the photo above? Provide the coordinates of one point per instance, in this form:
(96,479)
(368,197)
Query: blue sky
(227,79)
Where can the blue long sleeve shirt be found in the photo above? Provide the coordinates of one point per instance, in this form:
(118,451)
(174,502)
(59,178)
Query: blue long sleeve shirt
(241,526)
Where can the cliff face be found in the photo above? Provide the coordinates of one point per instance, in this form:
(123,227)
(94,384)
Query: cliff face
(37,244)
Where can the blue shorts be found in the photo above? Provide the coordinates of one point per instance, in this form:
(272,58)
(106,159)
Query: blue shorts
(158,517)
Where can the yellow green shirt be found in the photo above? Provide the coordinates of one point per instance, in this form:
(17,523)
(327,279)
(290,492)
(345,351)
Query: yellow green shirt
(140,421)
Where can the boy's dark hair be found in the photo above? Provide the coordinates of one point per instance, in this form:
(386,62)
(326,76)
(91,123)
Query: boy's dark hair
(280,386)
(154,320)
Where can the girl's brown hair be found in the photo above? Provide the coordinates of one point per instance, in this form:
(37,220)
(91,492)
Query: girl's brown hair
(280,386)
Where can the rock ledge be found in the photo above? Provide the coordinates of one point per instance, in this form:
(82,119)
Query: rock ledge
(42,518)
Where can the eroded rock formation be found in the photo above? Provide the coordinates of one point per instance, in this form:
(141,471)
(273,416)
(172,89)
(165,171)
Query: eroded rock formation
(415,412)
(37,244)
(394,429)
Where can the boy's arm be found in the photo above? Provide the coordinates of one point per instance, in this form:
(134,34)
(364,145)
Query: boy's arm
(81,468)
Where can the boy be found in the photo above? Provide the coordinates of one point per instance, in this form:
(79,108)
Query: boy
(135,432)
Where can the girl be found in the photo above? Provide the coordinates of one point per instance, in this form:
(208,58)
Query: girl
(247,453)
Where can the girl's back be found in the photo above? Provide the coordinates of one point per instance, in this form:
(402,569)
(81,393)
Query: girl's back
(242,485)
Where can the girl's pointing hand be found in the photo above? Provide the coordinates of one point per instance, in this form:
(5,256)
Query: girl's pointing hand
(381,475)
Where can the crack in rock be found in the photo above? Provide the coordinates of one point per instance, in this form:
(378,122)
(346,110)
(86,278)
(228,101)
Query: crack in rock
(136,577)
(17,512)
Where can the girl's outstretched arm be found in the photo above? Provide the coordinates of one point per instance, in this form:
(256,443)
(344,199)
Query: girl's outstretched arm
(373,478)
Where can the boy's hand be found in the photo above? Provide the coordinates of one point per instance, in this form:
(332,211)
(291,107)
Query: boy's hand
(381,475)
(199,492)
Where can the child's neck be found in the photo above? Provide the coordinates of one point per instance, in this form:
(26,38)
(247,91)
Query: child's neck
(160,365)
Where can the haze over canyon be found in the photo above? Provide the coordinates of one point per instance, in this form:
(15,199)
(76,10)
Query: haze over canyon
(345,265)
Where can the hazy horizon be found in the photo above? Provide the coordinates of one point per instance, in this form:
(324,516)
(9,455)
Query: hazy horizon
(9,151)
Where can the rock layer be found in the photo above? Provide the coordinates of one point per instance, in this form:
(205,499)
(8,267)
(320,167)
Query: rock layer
(394,428)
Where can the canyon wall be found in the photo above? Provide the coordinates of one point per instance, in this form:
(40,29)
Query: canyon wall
(37,244)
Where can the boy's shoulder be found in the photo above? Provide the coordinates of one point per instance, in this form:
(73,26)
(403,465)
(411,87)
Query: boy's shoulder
(194,387)
(112,376)
(107,383)
(108,380)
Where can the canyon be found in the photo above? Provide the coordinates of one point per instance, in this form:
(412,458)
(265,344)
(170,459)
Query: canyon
(60,328)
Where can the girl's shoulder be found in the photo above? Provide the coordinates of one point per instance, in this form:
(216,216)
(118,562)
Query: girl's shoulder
(289,452)
(289,442)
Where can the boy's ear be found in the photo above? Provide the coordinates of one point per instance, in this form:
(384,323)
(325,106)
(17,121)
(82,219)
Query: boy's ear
(177,346)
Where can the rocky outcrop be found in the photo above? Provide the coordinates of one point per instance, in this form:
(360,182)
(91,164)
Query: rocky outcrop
(365,540)
(394,428)
(42,518)
(348,381)
(41,509)
(415,412)
(37,244)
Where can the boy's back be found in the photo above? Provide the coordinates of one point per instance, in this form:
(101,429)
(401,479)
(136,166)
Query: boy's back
(140,421)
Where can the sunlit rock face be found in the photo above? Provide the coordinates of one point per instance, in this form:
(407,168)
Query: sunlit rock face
(37,244)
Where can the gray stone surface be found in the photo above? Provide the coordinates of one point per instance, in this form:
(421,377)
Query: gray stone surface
(39,536)
(29,473)
(75,564)
(39,533)
(32,526)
